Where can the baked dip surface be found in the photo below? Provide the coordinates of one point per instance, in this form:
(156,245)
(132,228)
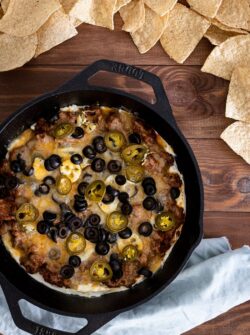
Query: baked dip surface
(91,201)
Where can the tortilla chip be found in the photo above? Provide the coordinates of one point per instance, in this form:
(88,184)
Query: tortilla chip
(183,32)
(161,7)
(56,30)
(222,26)
(25,17)
(150,32)
(67,5)
(97,12)
(5,5)
(227,56)
(217,36)
(16,51)
(235,13)
(120,4)
(75,21)
(238,99)
(133,15)
(237,137)
(208,8)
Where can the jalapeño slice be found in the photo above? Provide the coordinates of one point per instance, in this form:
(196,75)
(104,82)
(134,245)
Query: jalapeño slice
(165,221)
(27,213)
(135,173)
(95,191)
(130,253)
(114,140)
(63,185)
(100,271)
(116,222)
(63,130)
(75,243)
(134,154)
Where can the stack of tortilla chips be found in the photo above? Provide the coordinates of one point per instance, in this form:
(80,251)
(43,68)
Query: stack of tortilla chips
(237,135)
(31,27)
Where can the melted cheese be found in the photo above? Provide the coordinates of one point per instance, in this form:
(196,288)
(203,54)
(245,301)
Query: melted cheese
(21,140)
(86,290)
(45,147)
(39,170)
(45,202)
(71,170)
(164,144)
(181,200)
(109,208)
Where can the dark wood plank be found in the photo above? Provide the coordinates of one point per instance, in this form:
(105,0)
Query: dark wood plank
(235,226)
(234,322)
(225,176)
(197,99)
(94,43)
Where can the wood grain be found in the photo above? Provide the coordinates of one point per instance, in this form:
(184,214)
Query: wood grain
(93,43)
(197,99)
(226,177)
(233,225)
(198,102)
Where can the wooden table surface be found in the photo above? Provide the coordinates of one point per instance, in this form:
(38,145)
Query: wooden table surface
(198,103)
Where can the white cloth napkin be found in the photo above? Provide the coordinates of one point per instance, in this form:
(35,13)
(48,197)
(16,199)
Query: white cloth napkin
(215,279)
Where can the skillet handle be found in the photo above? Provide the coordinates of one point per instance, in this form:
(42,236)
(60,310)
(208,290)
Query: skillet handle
(13,296)
(161,107)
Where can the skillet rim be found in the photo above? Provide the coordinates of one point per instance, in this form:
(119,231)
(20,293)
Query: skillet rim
(36,101)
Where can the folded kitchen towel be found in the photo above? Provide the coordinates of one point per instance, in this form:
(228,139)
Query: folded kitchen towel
(214,280)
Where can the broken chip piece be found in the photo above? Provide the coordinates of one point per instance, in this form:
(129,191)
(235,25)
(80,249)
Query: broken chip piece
(150,32)
(238,99)
(183,31)
(133,15)
(25,17)
(16,51)
(237,137)
(227,56)
(56,30)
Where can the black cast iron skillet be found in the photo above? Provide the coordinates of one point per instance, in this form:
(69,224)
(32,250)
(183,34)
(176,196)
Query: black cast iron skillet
(17,284)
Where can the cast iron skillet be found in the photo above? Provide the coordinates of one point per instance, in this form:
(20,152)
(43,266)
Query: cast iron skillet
(17,284)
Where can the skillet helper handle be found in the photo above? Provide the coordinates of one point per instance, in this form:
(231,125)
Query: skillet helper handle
(161,107)
(13,296)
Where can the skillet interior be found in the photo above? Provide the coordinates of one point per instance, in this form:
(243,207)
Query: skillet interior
(191,234)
